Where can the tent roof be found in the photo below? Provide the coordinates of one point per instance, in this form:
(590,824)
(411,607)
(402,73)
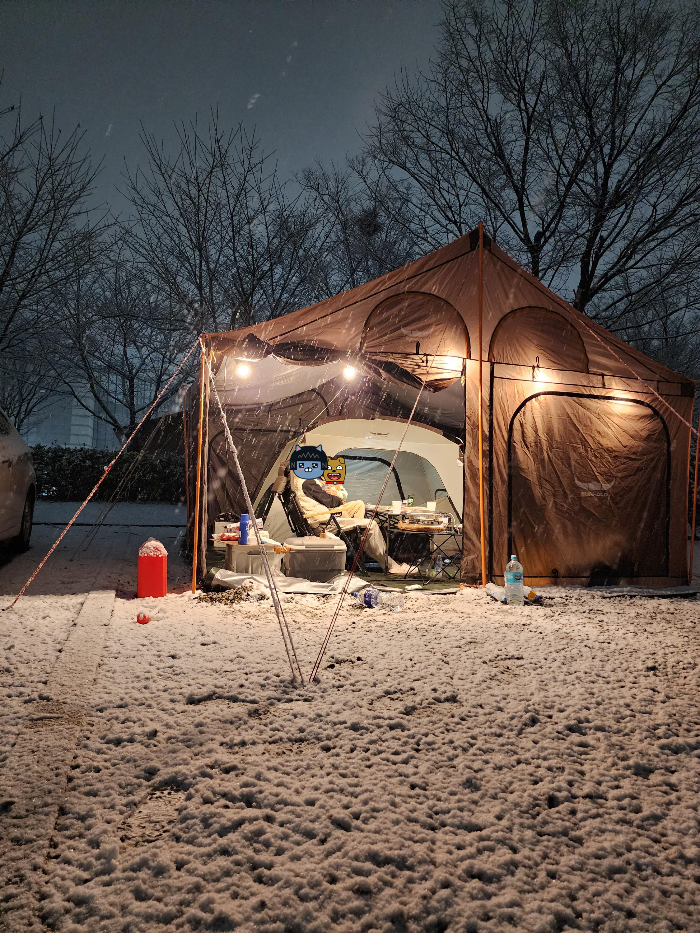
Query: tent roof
(334,329)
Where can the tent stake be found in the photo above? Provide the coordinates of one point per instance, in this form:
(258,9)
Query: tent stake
(481,407)
(195,548)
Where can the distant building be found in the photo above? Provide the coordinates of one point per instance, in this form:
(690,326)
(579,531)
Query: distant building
(64,422)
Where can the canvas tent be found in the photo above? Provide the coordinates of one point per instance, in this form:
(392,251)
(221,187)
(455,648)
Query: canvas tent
(584,468)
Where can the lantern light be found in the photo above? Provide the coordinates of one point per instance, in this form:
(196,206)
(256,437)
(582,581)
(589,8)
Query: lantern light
(349,372)
(243,370)
(453,364)
(538,375)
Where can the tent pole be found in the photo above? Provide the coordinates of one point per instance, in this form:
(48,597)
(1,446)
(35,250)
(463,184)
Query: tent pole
(187,464)
(195,549)
(481,406)
(695,498)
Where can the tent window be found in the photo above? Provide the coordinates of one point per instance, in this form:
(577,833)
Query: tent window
(532,336)
(413,476)
(420,334)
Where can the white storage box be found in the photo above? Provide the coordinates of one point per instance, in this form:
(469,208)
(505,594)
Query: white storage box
(246,558)
(315,559)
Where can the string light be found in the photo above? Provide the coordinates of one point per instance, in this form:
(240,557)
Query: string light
(349,372)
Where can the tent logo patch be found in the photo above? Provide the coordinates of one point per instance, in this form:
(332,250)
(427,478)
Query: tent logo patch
(308,462)
(599,490)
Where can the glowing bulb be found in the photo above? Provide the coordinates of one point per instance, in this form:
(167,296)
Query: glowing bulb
(540,375)
(243,370)
(622,401)
(453,364)
(349,372)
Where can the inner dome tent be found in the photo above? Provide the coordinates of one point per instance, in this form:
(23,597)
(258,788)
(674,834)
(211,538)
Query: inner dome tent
(585,470)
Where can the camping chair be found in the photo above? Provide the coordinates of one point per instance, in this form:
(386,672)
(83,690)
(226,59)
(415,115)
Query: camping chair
(300,524)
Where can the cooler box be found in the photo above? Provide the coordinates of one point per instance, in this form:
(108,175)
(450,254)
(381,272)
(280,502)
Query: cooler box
(315,559)
(246,558)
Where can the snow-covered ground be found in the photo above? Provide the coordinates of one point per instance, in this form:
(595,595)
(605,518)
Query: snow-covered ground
(459,766)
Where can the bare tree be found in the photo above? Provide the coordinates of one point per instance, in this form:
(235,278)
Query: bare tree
(214,224)
(363,228)
(119,340)
(573,130)
(28,387)
(669,335)
(44,183)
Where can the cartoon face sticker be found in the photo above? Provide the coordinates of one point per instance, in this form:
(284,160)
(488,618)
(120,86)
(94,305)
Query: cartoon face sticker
(308,462)
(335,474)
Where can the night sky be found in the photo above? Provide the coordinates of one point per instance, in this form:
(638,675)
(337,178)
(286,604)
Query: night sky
(305,72)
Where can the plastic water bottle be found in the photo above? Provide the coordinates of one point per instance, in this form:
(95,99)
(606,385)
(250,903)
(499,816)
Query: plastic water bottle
(392,600)
(514,582)
(244,529)
(372,598)
(368,597)
(437,566)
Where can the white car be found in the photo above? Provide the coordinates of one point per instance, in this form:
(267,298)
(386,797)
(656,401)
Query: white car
(17,486)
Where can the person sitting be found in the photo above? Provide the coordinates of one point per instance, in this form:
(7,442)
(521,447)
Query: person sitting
(318,503)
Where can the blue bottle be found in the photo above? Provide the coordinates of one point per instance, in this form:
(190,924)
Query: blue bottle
(369,597)
(243,539)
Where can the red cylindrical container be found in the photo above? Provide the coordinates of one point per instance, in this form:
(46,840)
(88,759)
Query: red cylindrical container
(153,569)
